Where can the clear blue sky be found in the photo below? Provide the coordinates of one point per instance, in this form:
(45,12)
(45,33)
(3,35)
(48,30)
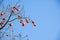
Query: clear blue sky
(46,14)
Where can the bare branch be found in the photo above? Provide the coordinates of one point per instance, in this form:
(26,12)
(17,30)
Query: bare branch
(20,10)
(12,20)
(6,22)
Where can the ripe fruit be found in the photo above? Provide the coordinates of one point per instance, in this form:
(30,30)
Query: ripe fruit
(10,24)
(1,14)
(27,21)
(3,18)
(32,22)
(19,16)
(12,11)
(23,24)
(15,8)
(1,22)
(21,21)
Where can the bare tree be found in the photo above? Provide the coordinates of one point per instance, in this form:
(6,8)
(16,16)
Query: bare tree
(14,11)
(10,14)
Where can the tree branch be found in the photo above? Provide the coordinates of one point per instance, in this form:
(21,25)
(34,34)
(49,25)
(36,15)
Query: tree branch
(12,19)
(6,22)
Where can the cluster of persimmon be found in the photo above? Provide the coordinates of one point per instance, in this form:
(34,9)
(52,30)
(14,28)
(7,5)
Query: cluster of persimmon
(3,19)
(18,16)
(21,20)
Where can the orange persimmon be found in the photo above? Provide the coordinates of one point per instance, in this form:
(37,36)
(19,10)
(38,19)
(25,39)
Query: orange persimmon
(15,8)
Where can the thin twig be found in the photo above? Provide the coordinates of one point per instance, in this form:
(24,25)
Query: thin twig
(12,20)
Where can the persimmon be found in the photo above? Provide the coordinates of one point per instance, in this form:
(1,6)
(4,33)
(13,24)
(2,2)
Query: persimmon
(33,22)
(27,21)
(35,25)
(12,11)
(21,21)
(19,16)
(2,14)
(2,23)
(23,24)
(10,24)
(15,8)
(3,18)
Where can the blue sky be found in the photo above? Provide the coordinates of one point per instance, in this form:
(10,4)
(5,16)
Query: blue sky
(46,14)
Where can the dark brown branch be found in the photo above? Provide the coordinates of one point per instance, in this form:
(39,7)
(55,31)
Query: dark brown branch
(6,22)
(0,24)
